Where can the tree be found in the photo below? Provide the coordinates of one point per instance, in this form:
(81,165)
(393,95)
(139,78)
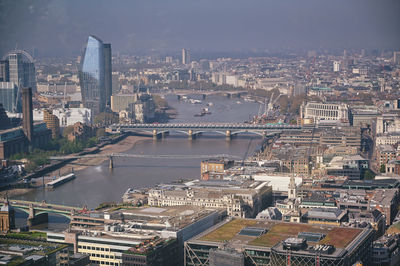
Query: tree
(67,131)
(368,174)
(382,169)
(106,118)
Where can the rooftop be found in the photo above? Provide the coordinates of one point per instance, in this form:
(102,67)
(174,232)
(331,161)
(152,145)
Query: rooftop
(276,231)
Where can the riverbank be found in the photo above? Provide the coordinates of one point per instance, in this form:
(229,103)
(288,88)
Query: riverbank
(126,144)
(80,164)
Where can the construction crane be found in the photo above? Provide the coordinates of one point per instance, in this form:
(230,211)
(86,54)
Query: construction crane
(271,104)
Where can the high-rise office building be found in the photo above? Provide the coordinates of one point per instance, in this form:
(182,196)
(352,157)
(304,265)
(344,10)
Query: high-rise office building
(336,66)
(185,56)
(396,57)
(10,97)
(19,67)
(95,75)
(4,71)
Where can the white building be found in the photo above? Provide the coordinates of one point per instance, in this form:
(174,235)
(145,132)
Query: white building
(325,111)
(336,66)
(67,116)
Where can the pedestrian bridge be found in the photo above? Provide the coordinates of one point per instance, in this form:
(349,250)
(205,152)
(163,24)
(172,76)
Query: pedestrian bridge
(194,129)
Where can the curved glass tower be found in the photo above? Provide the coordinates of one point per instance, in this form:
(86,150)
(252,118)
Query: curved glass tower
(93,74)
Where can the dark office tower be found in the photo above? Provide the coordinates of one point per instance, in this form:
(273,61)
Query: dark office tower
(108,72)
(4,71)
(92,75)
(27,119)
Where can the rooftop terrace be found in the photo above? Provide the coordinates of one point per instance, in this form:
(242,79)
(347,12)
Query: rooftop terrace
(339,237)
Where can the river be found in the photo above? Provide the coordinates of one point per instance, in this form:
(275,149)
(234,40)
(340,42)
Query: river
(97,184)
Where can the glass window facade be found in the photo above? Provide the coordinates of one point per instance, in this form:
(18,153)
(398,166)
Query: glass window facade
(92,74)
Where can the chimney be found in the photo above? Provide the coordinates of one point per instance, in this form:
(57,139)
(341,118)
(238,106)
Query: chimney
(27,120)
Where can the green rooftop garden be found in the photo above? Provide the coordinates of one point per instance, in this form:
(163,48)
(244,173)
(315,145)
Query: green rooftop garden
(228,230)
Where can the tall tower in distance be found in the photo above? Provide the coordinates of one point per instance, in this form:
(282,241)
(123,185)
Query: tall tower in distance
(185,56)
(95,75)
(27,120)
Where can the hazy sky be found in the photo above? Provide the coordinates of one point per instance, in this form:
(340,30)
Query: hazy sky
(61,27)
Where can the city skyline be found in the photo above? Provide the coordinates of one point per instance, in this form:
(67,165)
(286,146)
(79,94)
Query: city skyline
(138,27)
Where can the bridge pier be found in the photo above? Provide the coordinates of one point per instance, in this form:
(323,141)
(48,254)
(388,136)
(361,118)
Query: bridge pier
(191,135)
(228,135)
(111,163)
(34,219)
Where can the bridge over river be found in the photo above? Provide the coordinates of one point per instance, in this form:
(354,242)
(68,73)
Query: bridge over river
(147,156)
(38,211)
(193,129)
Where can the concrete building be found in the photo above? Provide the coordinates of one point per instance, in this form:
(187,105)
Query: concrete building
(387,123)
(52,123)
(280,243)
(325,111)
(385,153)
(120,102)
(130,236)
(143,110)
(325,216)
(336,66)
(387,138)
(67,116)
(239,198)
(396,57)
(37,252)
(214,166)
(186,56)
(385,251)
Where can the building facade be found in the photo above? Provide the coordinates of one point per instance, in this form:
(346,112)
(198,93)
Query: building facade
(94,72)
(10,97)
(325,111)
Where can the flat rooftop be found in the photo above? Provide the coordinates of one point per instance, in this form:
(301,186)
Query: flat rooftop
(276,231)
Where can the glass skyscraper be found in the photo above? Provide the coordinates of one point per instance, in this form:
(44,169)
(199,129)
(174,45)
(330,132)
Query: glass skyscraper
(95,75)
(17,70)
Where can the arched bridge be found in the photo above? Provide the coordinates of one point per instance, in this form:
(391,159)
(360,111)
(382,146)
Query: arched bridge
(193,129)
(38,211)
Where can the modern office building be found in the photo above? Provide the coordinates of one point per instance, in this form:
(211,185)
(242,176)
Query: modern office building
(10,97)
(137,236)
(18,67)
(95,75)
(185,56)
(4,71)
(279,243)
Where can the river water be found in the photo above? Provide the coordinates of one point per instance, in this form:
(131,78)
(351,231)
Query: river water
(97,184)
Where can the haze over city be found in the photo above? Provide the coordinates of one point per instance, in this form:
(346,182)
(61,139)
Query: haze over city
(200,132)
(60,27)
